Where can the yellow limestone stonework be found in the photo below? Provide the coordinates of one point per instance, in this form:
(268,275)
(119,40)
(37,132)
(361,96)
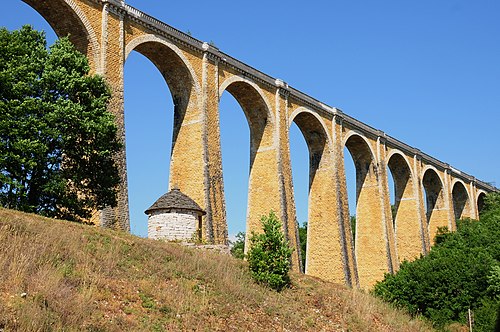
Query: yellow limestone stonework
(428,193)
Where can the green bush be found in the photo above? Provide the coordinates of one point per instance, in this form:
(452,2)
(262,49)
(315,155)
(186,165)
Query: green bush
(303,243)
(460,272)
(238,248)
(269,255)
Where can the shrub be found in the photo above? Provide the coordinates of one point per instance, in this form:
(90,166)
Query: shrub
(269,254)
(303,243)
(238,246)
(461,272)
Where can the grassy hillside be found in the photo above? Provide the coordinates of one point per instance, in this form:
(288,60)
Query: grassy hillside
(59,275)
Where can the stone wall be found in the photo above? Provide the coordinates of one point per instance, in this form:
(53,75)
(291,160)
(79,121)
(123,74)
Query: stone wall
(175,225)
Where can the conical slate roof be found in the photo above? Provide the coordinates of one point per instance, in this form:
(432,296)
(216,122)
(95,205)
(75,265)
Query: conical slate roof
(175,199)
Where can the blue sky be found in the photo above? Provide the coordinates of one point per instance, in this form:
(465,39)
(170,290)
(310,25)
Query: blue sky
(425,72)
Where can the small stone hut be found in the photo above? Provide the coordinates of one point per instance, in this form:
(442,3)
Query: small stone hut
(175,217)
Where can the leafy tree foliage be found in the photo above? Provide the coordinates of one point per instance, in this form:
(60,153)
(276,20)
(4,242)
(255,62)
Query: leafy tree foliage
(462,271)
(269,255)
(238,249)
(57,139)
(303,242)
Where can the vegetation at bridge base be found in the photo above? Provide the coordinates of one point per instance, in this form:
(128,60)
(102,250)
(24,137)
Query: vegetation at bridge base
(269,256)
(303,243)
(238,246)
(57,140)
(461,272)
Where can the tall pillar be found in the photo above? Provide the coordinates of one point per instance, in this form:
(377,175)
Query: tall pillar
(383,183)
(472,200)
(374,255)
(214,184)
(112,64)
(424,223)
(407,223)
(329,246)
(452,225)
(287,203)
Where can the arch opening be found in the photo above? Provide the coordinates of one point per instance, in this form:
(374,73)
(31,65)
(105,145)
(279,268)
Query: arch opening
(256,113)
(365,170)
(370,244)
(405,216)
(176,75)
(480,203)
(261,145)
(153,123)
(235,140)
(316,139)
(461,206)
(436,215)
(147,168)
(363,159)
(299,162)
(402,183)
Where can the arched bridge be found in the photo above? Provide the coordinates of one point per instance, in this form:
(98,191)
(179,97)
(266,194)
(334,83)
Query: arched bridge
(428,192)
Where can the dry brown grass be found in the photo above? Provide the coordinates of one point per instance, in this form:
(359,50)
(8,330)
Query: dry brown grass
(79,277)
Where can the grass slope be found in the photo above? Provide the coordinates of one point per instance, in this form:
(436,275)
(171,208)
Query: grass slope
(83,278)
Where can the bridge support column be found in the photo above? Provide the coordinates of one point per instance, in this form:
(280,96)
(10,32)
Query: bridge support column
(438,214)
(374,242)
(112,64)
(214,184)
(452,224)
(287,203)
(408,224)
(330,253)
(424,231)
(388,227)
(472,200)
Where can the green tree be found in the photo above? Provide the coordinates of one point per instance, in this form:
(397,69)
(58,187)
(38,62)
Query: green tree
(238,248)
(269,255)
(57,140)
(353,227)
(303,243)
(460,272)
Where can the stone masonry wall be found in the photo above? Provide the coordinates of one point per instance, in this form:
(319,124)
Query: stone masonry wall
(175,225)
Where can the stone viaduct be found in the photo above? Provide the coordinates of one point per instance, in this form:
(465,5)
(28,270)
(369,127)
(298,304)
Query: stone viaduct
(428,192)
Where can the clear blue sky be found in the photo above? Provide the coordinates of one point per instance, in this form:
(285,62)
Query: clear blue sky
(426,72)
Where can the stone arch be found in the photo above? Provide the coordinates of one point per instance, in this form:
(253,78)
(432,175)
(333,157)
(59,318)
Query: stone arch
(316,136)
(242,80)
(187,155)
(363,157)
(436,212)
(263,185)
(149,38)
(176,64)
(461,200)
(257,111)
(480,201)
(402,175)
(408,230)
(351,133)
(67,18)
(178,73)
(371,243)
(318,118)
